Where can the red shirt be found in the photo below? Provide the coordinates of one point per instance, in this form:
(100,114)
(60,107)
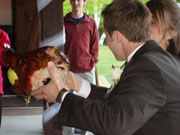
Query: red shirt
(82,43)
(4,42)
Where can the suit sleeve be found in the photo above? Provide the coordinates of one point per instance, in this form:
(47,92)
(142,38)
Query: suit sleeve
(135,99)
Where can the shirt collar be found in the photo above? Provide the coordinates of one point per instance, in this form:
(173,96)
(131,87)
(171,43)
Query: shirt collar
(133,52)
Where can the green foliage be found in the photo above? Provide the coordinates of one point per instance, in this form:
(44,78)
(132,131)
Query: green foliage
(91,4)
(144,1)
(89,8)
(66,7)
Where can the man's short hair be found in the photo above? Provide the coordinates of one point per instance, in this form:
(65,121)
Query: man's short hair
(131,17)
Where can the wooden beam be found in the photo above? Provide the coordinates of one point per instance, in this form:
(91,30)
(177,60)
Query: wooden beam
(51,19)
(18,101)
(27,25)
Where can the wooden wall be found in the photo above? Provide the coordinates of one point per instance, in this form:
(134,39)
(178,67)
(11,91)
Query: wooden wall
(27,25)
(51,19)
(5,12)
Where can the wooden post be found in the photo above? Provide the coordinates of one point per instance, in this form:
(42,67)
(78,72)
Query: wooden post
(51,19)
(27,25)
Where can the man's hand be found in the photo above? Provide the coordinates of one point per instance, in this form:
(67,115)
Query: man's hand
(50,91)
(73,82)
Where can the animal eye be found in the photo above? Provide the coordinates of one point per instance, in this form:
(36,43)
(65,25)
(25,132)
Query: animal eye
(62,68)
(46,81)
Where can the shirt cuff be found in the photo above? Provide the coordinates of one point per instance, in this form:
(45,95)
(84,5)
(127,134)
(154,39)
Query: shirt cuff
(84,90)
(64,95)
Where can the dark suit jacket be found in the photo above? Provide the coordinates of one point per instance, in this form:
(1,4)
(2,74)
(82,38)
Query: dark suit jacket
(146,100)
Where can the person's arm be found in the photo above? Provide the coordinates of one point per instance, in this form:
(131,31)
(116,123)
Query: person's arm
(52,89)
(136,98)
(83,88)
(94,43)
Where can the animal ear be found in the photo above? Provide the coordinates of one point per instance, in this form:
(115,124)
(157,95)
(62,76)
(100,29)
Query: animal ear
(113,66)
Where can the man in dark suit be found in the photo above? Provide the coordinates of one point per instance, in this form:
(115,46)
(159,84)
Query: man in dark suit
(146,99)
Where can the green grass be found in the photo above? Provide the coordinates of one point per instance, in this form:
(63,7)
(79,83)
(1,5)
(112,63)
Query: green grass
(106,60)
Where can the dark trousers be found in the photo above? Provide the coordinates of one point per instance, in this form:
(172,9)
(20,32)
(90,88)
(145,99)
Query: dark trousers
(0,109)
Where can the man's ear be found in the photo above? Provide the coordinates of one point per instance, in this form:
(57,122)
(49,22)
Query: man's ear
(116,35)
(171,34)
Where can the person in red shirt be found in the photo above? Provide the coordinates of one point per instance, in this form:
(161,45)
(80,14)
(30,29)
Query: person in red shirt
(4,43)
(82,41)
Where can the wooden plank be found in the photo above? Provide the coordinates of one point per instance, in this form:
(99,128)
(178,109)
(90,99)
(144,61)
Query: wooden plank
(51,19)
(18,101)
(27,25)
(19,111)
